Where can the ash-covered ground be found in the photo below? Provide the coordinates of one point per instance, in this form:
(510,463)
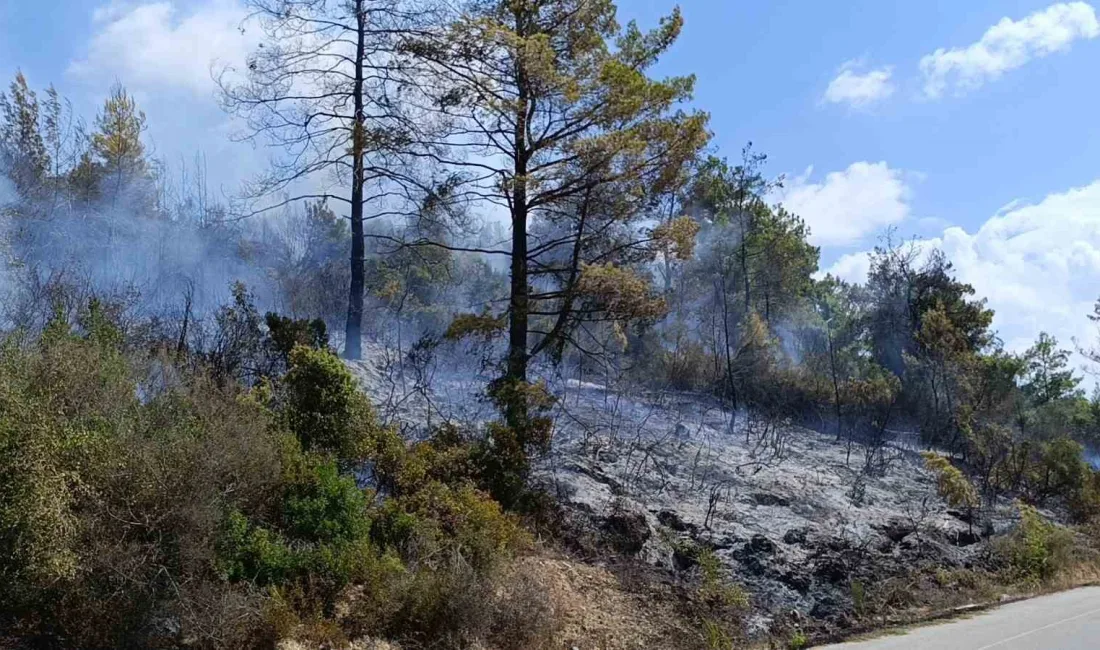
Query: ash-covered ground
(796,516)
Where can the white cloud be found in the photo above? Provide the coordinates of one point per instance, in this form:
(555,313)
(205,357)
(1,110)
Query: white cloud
(1036,263)
(852,267)
(859,89)
(848,205)
(156,46)
(1008,45)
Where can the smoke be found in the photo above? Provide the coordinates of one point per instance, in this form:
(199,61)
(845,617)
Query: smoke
(1092,457)
(7,192)
(122,247)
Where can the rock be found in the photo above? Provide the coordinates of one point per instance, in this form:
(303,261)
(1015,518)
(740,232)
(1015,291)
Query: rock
(795,536)
(754,555)
(683,560)
(964,517)
(828,608)
(672,520)
(800,581)
(765,499)
(761,544)
(627,532)
(896,529)
(753,565)
(608,456)
(723,543)
(832,570)
(965,538)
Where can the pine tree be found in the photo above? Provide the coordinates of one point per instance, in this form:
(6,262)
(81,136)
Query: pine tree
(117,140)
(567,132)
(325,90)
(22,150)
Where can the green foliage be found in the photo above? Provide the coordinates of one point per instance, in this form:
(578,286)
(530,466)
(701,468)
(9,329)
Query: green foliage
(286,333)
(442,521)
(1047,375)
(483,326)
(715,636)
(798,641)
(325,408)
(320,503)
(715,588)
(109,504)
(201,502)
(117,140)
(951,483)
(255,554)
(1061,468)
(1037,549)
(503,455)
(1084,502)
(22,147)
(859,597)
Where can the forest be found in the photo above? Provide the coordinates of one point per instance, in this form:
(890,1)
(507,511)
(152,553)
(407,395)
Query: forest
(186,459)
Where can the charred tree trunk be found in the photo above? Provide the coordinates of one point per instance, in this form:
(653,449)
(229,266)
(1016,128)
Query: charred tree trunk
(836,380)
(353,331)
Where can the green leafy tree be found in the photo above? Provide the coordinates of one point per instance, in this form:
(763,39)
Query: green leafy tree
(835,305)
(783,276)
(1047,376)
(900,291)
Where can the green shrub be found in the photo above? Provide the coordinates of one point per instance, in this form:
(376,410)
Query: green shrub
(797,641)
(139,488)
(503,456)
(321,504)
(325,408)
(254,554)
(715,587)
(715,636)
(1084,502)
(1037,549)
(110,504)
(440,521)
(284,334)
(859,597)
(951,483)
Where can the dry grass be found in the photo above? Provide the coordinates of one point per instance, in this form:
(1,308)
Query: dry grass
(597,612)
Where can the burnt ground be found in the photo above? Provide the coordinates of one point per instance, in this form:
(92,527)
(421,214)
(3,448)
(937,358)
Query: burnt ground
(799,519)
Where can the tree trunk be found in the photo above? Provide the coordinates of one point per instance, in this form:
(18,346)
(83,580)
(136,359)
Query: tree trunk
(836,380)
(745,271)
(729,353)
(353,331)
(518,308)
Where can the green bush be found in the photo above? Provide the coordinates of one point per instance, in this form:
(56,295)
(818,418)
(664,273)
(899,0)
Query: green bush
(439,522)
(138,488)
(1037,549)
(325,408)
(115,473)
(284,334)
(255,554)
(321,504)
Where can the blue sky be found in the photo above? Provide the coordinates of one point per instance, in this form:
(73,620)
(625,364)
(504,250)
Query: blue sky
(972,125)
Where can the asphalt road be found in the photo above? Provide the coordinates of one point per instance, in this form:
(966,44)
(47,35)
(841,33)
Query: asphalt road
(1065,621)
